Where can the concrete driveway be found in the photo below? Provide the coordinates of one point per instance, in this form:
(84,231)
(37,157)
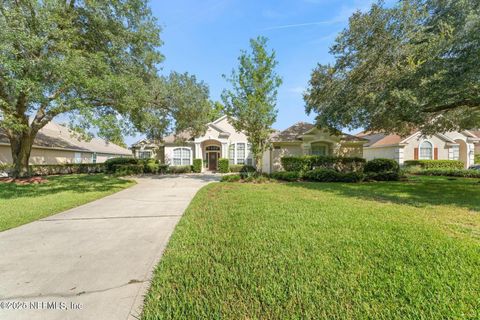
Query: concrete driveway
(94,261)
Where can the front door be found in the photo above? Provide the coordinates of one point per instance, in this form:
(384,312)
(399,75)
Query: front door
(212,161)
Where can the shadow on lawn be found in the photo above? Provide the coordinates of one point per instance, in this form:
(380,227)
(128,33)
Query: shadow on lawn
(417,191)
(58,184)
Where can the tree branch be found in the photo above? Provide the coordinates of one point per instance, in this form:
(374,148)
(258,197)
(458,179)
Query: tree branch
(457,104)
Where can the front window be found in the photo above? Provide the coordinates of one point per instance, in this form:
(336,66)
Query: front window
(319,149)
(94,157)
(181,156)
(426,151)
(455,152)
(240,153)
(144,154)
(231,154)
(78,157)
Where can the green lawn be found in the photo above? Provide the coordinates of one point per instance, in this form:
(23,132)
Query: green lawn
(20,204)
(394,250)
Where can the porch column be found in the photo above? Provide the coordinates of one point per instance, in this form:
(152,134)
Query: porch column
(224,149)
(198,151)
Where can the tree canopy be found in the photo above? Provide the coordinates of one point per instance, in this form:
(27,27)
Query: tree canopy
(92,60)
(415,65)
(179,102)
(251,102)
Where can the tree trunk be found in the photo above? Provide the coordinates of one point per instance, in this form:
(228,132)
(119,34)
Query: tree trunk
(258,162)
(21,145)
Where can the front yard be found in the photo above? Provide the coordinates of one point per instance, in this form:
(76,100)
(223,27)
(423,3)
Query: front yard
(20,204)
(392,250)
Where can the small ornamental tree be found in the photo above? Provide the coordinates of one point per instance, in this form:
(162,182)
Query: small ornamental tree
(90,60)
(251,102)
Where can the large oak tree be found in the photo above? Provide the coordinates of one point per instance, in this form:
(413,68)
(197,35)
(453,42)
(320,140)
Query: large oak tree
(92,60)
(415,65)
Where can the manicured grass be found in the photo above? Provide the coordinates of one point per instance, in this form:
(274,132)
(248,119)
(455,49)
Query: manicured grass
(392,250)
(20,204)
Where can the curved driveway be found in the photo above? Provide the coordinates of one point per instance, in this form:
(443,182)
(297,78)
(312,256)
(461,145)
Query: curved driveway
(93,261)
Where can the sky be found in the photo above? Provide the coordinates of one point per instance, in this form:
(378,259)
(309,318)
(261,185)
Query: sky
(205,38)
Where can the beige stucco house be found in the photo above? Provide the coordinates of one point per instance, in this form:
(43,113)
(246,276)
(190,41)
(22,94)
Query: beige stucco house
(55,144)
(221,140)
(446,146)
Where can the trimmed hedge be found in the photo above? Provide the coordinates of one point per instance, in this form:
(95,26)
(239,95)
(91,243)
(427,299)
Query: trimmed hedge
(286,175)
(436,164)
(383,176)
(307,163)
(331,175)
(477,159)
(241,167)
(223,165)
(381,165)
(110,163)
(51,169)
(465,173)
(179,169)
(197,165)
(231,178)
(128,169)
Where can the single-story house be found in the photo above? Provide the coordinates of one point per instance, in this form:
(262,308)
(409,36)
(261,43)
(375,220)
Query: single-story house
(221,140)
(441,146)
(56,144)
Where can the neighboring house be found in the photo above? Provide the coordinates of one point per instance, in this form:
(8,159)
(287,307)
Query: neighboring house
(55,144)
(221,140)
(447,146)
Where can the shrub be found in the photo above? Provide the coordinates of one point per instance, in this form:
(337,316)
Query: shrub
(241,167)
(110,163)
(436,164)
(162,168)
(286,175)
(383,176)
(128,169)
(307,163)
(231,178)
(331,175)
(381,165)
(151,167)
(179,169)
(223,165)
(67,168)
(477,159)
(197,165)
(465,173)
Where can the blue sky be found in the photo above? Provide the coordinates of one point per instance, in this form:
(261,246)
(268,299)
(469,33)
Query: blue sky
(205,38)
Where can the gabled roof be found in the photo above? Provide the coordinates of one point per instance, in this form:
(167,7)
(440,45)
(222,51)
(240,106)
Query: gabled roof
(292,133)
(55,136)
(295,133)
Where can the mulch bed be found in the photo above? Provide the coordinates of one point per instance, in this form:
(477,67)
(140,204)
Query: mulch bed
(24,181)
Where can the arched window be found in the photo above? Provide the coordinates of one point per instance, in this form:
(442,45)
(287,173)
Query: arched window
(212,148)
(181,156)
(319,149)
(426,151)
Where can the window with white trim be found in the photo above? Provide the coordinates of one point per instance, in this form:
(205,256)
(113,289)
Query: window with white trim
(249,155)
(94,157)
(455,152)
(144,154)
(240,153)
(426,149)
(181,156)
(319,149)
(231,154)
(78,157)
